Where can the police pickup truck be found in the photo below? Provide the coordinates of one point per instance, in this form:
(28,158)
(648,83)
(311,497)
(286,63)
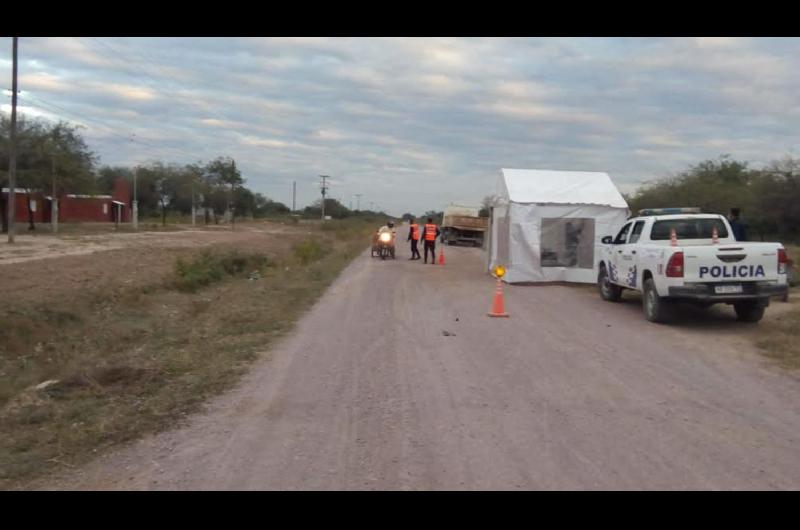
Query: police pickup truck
(681,255)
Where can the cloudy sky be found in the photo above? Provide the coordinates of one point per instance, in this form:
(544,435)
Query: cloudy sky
(415,123)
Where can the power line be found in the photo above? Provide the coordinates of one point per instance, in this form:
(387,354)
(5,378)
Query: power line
(149,64)
(52,107)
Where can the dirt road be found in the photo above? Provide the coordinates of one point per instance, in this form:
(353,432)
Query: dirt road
(569,393)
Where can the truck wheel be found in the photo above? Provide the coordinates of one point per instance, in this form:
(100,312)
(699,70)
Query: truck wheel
(656,308)
(608,291)
(749,311)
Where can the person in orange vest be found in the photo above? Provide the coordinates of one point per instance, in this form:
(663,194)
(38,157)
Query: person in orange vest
(413,236)
(429,235)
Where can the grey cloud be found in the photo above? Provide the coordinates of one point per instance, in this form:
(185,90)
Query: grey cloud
(414,123)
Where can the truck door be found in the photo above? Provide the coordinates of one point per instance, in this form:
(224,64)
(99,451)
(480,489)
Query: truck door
(616,264)
(629,264)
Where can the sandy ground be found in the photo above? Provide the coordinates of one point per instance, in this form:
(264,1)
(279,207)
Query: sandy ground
(42,266)
(45,246)
(569,393)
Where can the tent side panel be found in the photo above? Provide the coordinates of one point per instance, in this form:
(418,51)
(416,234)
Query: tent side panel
(552,243)
(499,247)
(524,261)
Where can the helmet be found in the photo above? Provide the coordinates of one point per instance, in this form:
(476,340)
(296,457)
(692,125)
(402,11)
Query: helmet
(390,224)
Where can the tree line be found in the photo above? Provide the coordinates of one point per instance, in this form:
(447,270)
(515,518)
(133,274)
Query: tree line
(55,158)
(768,197)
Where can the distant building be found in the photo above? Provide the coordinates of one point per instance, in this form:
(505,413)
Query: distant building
(73,208)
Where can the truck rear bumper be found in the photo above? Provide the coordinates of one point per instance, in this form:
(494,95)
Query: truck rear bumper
(705,293)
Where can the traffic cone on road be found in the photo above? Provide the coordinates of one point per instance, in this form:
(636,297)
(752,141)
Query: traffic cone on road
(673,238)
(497,307)
(714,236)
(441,256)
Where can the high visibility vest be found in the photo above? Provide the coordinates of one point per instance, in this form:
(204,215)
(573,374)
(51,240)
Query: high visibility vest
(430,232)
(415,232)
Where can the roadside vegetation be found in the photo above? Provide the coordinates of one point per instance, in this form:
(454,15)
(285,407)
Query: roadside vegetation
(81,375)
(768,197)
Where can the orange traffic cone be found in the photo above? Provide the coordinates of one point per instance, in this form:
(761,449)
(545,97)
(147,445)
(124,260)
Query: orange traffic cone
(497,308)
(673,238)
(714,236)
(441,256)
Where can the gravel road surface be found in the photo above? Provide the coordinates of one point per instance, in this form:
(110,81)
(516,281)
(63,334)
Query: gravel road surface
(398,380)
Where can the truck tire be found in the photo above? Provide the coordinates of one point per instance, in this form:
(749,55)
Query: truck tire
(656,308)
(749,311)
(608,291)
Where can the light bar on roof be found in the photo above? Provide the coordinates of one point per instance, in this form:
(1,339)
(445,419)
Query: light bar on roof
(667,211)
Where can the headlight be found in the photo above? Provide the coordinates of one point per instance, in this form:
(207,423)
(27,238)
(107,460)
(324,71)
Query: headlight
(386,237)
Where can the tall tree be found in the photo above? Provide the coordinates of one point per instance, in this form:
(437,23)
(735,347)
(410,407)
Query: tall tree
(49,155)
(224,174)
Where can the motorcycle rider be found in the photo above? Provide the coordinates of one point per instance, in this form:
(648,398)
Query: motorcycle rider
(388,227)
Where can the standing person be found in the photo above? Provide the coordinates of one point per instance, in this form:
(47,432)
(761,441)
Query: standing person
(737,226)
(429,235)
(573,239)
(413,236)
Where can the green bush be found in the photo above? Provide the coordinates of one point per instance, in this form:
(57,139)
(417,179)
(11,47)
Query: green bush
(310,250)
(208,267)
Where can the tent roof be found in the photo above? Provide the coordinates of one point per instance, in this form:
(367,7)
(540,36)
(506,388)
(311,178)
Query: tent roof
(561,187)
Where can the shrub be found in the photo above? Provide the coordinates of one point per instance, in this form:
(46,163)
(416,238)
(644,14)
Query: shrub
(209,267)
(309,250)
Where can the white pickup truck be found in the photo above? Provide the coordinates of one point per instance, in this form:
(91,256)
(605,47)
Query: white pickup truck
(677,258)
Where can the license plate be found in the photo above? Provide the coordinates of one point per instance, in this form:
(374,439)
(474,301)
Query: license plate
(728,289)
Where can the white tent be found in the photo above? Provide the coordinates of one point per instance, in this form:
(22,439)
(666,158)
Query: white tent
(547,226)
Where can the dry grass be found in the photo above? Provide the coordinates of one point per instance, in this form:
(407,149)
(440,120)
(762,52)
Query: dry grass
(779,338)
(138,359)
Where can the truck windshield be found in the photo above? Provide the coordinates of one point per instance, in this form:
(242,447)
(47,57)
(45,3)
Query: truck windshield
(689,228)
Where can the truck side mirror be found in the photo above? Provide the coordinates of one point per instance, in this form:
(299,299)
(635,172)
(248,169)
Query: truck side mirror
(607,240)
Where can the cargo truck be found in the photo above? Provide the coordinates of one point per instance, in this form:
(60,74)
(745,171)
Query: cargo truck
(463,224)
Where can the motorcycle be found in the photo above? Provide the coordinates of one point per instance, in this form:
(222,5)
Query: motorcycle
(383,245)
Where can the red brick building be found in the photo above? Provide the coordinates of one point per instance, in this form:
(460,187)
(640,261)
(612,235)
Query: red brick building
(74,208)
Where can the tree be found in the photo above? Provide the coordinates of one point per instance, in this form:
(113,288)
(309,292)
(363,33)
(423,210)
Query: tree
(223,173)
(166,185)
(486,206)
(107,175)
(265,206)
(333,208)
(767,197)
(49,155)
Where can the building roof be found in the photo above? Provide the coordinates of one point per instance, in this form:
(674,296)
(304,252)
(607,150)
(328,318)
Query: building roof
(560,187)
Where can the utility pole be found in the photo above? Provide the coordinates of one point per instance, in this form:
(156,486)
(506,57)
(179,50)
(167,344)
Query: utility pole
(294,195)
(12,148)
(324,188)
(230,200)
(194,211)
(135,212)
(359,201)
(54,199)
